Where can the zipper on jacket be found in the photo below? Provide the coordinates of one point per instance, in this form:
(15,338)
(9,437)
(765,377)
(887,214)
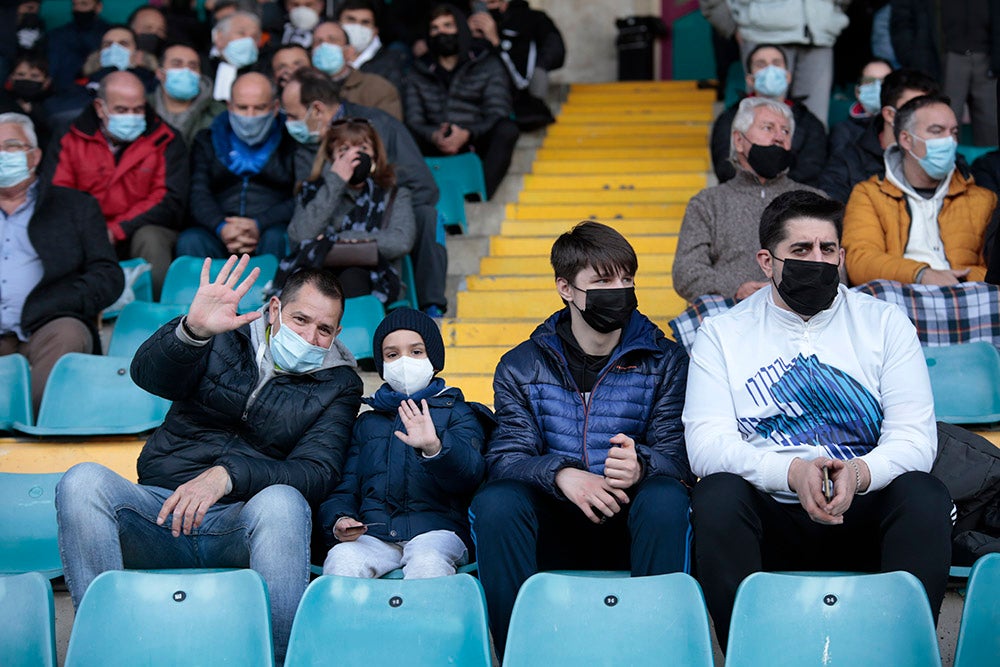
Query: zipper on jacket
(586,410)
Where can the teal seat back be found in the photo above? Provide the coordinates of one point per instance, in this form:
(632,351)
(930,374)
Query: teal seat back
(15,399)
(463,171)
(137,322)
(91,395)
(27,621)
(362,315)
(784,620)
(973,153)
(143,285)
(563,620)
(691,48)
(184,276)
(129,618)
(408,289)
(28,529)
(348,622)
(59,12)
(736,84)
(965,381)
(979,634)
(451,207)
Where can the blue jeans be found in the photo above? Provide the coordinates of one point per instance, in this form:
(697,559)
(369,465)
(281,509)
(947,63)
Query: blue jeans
(199,242)
(108,523)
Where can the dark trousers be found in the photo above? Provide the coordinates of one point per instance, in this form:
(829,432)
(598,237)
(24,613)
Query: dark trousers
(495,148)
(430,260)
(199,242)
(740,530)
(520,530)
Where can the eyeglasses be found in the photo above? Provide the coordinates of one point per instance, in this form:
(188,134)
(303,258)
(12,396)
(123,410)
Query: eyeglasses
(15,147)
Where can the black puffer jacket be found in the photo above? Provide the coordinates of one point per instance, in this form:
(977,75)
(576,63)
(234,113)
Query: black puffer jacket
(479,95)
(855,162)
(295,431)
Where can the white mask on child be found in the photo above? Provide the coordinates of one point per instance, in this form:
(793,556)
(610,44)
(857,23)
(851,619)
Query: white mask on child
(408,375)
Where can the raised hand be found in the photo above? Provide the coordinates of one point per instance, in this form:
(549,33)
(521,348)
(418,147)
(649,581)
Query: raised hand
(214,308)
(420,433)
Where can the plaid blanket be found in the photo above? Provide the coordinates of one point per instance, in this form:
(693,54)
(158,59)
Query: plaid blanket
(963,313)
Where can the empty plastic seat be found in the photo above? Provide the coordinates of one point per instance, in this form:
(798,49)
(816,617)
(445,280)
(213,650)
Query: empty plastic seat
(27,621)
(132,618)
(965,380)
(184,276)
(91,395)
(463,172)
(344,622)
(471,568)
(563,619)
(28,530)
(137,271)
(15,399)
(137,322)
(979,634)
(362,315)
(794,620)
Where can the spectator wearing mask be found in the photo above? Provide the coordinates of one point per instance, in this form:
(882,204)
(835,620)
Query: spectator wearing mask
(457,100)
(120,53)
(924,221)
(236,42)
(70,45)
(769,77)
(331,53)
(184,96)
(149,24)
(134,165)
(864,157)
(243,177)
(303,16)
(27,89)
(868,104)
(30,27)
(361,23)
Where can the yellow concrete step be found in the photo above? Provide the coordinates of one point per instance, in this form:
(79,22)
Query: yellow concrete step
(635,112)
(612,100)
(502,246)
(474,359)
(660,302)
(33,455)
(651,166)
(634,129)
(617,153)
(547,282)
(553,228)
(486,333)
(476,387)
(660,196)
(698,114)
(664,140)
(539,265)
(606,213)
(535,182)
(637,86)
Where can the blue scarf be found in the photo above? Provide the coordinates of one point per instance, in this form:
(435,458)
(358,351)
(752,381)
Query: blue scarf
(387,399)
(239,157)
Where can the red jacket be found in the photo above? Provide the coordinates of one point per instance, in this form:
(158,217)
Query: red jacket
(146,186)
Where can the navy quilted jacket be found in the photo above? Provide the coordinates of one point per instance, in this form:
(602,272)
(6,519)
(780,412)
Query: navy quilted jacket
(544,424)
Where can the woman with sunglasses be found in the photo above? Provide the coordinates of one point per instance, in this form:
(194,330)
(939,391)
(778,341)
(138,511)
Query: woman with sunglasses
(351,198)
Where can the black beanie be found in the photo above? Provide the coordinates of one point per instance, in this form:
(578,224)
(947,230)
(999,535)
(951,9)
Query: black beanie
(411,320)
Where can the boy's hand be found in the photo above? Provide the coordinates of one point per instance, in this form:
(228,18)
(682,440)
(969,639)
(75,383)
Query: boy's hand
(622,469)
(347,529)
(591,494)
(420,433)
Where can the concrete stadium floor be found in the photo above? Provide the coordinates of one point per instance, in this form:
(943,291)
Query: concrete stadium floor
(951,616)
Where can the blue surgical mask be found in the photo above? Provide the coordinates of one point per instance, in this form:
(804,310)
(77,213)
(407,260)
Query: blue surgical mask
(182,84)
(251,130)
(241,52)
(13,168)
(940,158)
(870,96)
(116,56)
(772,81)
(328,58)
(126,126)
(291,352)
(299,130)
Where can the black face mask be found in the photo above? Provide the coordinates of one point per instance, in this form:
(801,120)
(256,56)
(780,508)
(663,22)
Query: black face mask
(26,89)
(497,16)
(443,44)
(150,43)
(769,161)
(808,287)
(364,168)
(84,19)
(608,309)
(29,21)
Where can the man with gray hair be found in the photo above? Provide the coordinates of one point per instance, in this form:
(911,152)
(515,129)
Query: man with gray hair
(715,251)
(57,270)
(235,50)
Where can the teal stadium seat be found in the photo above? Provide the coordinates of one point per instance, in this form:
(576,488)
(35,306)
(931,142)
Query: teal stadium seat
(691,48)
(184,276)
(15,399)
(142,285)
(129,618)
(348,622)
(91,395)
(784,620)
(27,621)
(979,634)
(965,381)
(566,620)
(137,322)
(471,568)
(973,153)
(408,294)
(362,315)
(457,176)
(28,529)
(60,12)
